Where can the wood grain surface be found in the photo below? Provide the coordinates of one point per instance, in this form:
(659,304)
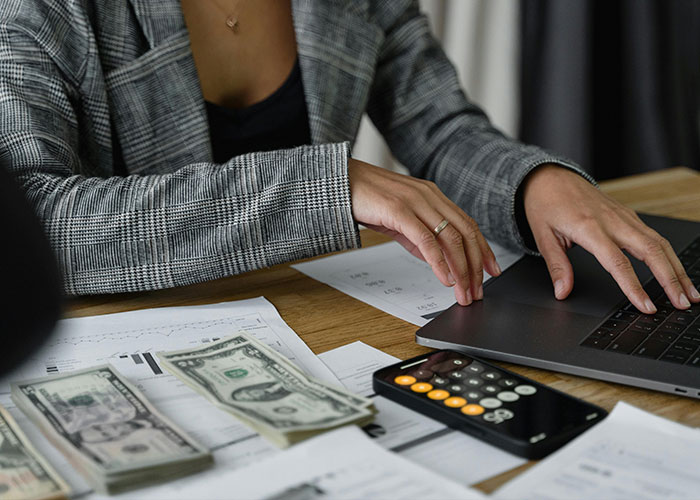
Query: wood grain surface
(326,318)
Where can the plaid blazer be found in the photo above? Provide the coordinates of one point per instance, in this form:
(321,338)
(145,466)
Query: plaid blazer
(103,120)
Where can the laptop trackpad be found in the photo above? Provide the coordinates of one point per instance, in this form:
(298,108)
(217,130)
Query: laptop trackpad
(595,293)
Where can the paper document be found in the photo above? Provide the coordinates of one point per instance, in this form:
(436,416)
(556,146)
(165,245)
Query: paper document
(343,464)
(631,455)
(129,341)
(424,441)
(391,279)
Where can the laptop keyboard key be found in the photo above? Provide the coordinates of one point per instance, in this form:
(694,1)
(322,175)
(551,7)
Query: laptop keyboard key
(652,348)
(664,336)
(596,342)
(674,357)
(680,318)
(626,342)
(693,338)
(694,361)
(615,326)
(671,328)
(681,346)
(624,316)
(645,328)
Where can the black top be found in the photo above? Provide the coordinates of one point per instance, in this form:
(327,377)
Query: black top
(278,122)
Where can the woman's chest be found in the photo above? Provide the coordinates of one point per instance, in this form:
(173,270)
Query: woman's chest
(243,50)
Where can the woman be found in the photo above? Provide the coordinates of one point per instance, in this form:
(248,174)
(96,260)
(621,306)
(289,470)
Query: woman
(135,127)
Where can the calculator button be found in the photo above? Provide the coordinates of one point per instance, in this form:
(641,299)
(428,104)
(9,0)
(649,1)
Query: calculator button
(423,374)
(490,389)
(504,413)
(421,387)
(456,388)
(490,403)
(457,375)
(438,394)
(474,382)
(508,396)
(405,380)
(492,417)
(474,368)
(490,376)
(439,381)
(508,382)
(525,390)
(458,362)
(455,402)
(474,395)
(473,409)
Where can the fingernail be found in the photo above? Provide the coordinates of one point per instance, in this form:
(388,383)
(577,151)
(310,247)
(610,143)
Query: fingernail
(450,279)
(558,288)
(651,308)
(684,300)
(469,296)
(480,293)
(694,292)
(498,268)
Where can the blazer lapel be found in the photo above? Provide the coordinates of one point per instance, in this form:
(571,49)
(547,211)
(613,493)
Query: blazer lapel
(338,50)
(156,100)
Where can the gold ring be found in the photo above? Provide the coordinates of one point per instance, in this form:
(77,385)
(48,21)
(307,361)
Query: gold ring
(438,229)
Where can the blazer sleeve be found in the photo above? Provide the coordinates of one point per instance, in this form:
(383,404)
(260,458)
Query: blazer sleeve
(201,222)
(417,104)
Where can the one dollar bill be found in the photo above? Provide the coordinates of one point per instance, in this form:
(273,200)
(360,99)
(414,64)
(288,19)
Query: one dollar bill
(265,390)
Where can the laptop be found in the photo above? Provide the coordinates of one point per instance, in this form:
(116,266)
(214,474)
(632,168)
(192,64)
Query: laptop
(595,332)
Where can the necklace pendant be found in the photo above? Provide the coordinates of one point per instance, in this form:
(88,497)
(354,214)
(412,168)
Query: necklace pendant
(232,23)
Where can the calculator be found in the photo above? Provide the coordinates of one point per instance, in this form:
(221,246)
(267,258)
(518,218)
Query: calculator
(483,400)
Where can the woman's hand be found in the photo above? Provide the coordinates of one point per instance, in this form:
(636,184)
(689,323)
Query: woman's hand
(562,208)
(408,210)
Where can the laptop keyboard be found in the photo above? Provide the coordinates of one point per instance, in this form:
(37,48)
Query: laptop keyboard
(669,335)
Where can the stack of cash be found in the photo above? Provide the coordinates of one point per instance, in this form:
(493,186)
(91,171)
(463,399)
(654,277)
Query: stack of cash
(265,390)
(108,430)
(24,474)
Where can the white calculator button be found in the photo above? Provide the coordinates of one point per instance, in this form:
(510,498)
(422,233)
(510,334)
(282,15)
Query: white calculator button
(507,396)
(492,417)
(504,414)
(490,403)
(525,390)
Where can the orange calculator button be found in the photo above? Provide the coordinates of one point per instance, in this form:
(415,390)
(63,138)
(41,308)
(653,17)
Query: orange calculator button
(438,394)
(473,410)
(421,387)
(405,380)
(455,402)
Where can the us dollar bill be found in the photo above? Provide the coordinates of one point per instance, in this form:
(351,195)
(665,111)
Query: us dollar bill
(265,390)
(24,473)
(243,338)
(113,435)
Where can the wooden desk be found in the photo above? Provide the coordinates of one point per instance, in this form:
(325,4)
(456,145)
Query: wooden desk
(326,318)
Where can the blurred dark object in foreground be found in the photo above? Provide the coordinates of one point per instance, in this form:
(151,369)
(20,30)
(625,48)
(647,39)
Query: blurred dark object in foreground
(31,302)
(613,84)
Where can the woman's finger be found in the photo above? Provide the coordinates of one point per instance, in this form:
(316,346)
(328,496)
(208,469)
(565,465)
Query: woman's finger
(558,263)
(608,253)
(452,245)
(651,250)
(467,225)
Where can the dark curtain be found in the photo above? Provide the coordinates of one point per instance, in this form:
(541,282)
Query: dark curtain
(613,84)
